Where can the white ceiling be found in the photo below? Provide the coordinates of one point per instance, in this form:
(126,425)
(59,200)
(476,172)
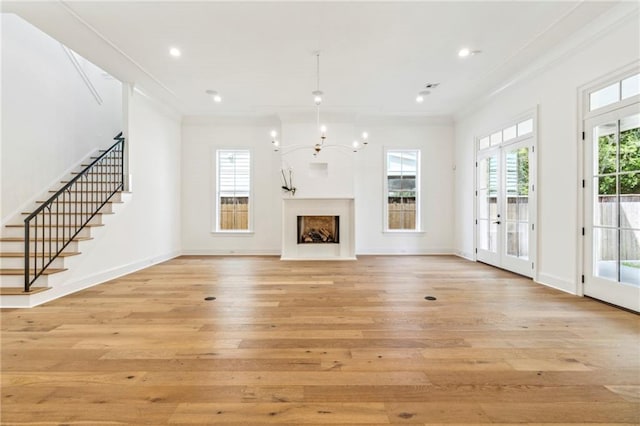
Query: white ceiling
(375,56)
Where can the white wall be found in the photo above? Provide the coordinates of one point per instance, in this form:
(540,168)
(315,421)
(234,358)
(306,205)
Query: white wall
(435,140)
(337,180)
(349,175)
(554,90)
(200,138)
(146,229)
(50,119)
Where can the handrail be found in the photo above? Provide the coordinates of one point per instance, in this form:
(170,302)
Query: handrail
(72,207)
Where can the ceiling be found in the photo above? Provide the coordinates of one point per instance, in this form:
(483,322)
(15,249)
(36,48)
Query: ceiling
(375,56)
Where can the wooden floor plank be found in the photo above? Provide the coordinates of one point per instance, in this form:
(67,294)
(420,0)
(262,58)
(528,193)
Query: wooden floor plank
(313,343)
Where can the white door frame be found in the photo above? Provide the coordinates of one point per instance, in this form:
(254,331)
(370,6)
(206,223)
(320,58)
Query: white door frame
(584,114)
(531,141)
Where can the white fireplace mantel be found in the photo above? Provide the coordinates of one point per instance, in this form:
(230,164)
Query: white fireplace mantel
(294,207)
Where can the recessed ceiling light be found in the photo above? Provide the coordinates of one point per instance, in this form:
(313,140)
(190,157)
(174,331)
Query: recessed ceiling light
(466,52)
(214,95)
(175,52)
(421,95)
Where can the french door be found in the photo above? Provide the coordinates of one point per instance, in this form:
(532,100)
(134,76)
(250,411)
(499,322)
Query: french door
(505,206)
(612,207)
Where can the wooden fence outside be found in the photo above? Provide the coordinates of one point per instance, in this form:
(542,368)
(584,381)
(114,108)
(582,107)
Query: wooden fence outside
(234,216)
(402,216)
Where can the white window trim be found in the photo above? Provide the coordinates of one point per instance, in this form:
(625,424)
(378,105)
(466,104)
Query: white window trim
(585,91)
(215,204)
(385,202)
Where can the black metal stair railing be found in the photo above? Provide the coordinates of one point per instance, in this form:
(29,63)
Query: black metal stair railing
(55,223)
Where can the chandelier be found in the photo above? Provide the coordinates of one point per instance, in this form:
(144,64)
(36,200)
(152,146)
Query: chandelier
(321,128)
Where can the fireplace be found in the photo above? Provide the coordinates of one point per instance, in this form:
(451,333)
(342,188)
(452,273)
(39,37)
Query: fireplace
(318,229)
(336,209)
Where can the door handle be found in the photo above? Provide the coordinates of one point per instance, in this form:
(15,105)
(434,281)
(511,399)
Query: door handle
(497,221)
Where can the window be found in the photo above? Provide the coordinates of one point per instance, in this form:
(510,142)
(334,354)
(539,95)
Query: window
(233,186)
(615,92)
(402,189)
(506,135)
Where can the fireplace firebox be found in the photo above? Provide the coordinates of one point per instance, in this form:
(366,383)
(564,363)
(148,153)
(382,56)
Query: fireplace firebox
(318,229)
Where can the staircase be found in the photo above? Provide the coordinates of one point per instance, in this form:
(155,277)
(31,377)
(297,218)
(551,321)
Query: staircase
(37,249)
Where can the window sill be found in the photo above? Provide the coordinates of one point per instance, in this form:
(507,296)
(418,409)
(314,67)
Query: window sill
(233,233)
(403,231)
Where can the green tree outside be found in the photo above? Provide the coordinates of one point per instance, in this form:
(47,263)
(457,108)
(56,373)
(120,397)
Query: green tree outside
(629,162)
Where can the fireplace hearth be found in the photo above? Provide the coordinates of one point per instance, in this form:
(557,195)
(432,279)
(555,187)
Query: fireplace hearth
(318,229)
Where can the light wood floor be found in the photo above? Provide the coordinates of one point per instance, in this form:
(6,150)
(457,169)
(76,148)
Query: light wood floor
(320,342)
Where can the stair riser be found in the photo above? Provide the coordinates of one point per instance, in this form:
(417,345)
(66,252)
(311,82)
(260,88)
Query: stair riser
(17,262)
(91,186)
(53,219)
(18,281)
(18,246)
(40,232)
(86,209)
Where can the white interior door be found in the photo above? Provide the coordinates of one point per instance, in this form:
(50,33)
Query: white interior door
(612,207)
(506,207)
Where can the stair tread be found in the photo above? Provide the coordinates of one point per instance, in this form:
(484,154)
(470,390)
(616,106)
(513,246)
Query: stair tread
(16,239)
(19,291)
(96,173)
(82,191)
(28,213)
(32,254)
(83,202)
(21,225)
(86,182)
(20,271)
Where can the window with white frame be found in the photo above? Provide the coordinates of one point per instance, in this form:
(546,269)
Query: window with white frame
(615,92)
(233,188)
(402,177)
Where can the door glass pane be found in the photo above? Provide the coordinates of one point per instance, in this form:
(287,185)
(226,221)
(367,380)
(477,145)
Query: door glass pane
(523,209)
(492,175)
(483,234)
(493,237)
(630,257)
(605,253)
(630,200)
(523,240)
(512,238)
(483,204)
(511,170)
(605,142)
(512,209)
(605,201)
(630,144)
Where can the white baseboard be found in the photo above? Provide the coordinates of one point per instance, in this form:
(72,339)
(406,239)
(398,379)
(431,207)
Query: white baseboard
(405,252)
(557,283)
(212,252)
(463,255)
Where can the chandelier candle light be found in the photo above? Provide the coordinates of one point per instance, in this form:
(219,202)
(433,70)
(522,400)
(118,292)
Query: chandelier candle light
(322,129)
